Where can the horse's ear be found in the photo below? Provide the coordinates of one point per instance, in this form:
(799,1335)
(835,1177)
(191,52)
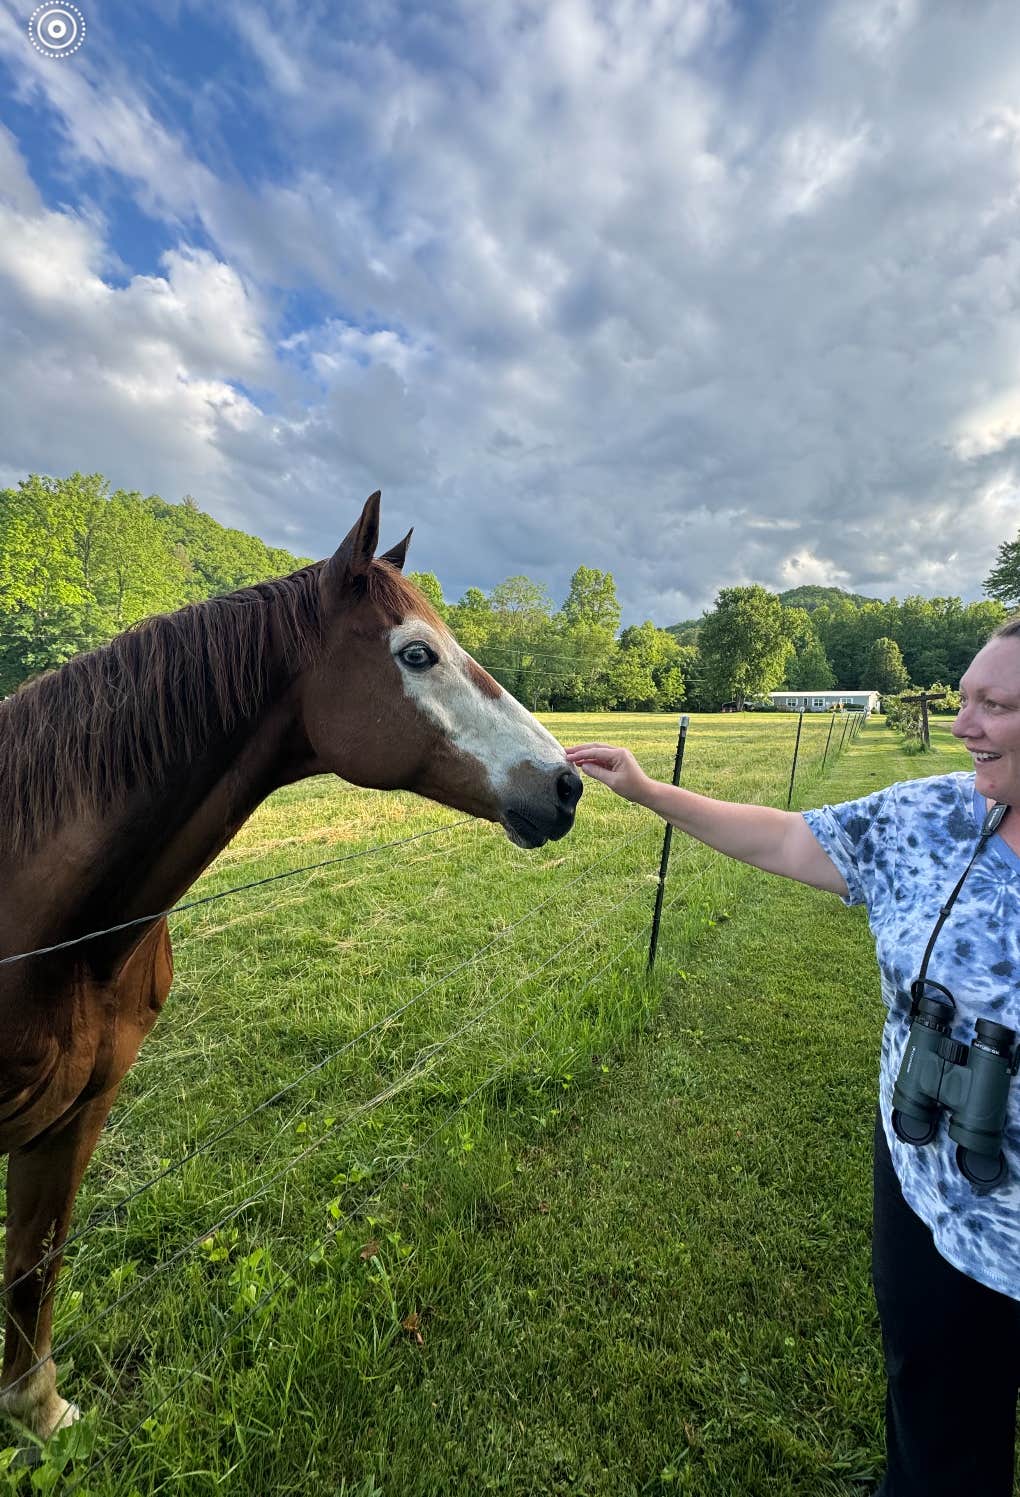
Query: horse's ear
(397,554)
(353,556)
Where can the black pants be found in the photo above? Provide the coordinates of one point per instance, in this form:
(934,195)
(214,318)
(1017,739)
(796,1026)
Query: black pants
(952,1360)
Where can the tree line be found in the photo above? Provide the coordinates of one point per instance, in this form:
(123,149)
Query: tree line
(78,564)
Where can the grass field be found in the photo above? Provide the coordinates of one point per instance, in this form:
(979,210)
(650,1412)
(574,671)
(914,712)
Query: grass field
(492,1210)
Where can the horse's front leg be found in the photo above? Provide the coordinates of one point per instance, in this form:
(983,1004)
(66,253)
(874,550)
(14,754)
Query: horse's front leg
(42,1182)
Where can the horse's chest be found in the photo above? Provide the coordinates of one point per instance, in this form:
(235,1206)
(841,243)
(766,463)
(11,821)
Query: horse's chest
(61,1053)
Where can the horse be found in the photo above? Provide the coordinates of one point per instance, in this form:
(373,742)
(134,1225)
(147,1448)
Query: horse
(123,774)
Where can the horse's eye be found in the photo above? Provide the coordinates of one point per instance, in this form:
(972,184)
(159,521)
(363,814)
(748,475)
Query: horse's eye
(418,655)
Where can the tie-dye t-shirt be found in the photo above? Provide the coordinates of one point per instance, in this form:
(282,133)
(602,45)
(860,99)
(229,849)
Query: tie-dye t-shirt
(901,852)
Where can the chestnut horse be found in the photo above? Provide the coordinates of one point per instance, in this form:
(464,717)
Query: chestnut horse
(124,773)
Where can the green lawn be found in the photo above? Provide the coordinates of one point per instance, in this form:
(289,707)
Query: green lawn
(554,1227)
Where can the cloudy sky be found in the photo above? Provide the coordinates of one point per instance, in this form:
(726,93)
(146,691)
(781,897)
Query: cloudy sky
(703,292)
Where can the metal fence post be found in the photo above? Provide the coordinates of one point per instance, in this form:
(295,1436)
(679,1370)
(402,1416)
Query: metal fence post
(832,719)
(796,750)
(842,736)
(666,842)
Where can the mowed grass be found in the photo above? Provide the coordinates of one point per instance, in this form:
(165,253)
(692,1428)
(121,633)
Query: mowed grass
(492,1209)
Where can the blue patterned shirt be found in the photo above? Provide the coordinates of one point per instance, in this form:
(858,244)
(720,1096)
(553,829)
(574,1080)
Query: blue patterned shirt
(901,851)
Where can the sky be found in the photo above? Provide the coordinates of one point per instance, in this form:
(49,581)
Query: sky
(700,292)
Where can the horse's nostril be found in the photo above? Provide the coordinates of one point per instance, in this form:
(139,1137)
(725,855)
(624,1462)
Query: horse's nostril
(568,787)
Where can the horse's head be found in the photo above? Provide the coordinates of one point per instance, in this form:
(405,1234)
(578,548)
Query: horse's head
(393,702)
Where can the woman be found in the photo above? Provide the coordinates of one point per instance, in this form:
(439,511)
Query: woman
(945,1253)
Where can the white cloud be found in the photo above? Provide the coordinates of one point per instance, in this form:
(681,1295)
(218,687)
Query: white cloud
(991,428)
(135,381)
(655,287)
(803,569)
(817,161)
(875,26)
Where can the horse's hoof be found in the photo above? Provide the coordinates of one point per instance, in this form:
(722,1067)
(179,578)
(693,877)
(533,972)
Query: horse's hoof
(41,1416)
(66,1415)
(31,1454)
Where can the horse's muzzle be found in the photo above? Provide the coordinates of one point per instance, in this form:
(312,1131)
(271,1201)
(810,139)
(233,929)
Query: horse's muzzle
(545,811)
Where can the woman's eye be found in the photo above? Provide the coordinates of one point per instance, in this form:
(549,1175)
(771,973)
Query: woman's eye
(418,656)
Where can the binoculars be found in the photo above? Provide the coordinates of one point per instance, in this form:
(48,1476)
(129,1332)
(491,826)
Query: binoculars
(969,1082)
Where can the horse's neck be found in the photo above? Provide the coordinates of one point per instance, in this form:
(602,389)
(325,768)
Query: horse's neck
(146,851)
(222,791)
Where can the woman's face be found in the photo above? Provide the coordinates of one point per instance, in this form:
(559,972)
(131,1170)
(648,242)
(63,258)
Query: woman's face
(989,718)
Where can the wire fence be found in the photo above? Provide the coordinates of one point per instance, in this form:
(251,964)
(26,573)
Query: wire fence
(420,1069)
(808,758)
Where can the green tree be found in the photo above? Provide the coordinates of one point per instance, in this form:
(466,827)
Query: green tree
(799,628)
(809,668)
(473,621)
(744,645)
(975,623)
(592,600)
(689,664)
(521,648)
(886,671)
(937,637)
(135,569)
(521,603)
(1003,581)
(76,566)
(580,667)
(216,559)
(920,629)
(848,631)
(645,675)
(584,639)
(428,583)
(42,591)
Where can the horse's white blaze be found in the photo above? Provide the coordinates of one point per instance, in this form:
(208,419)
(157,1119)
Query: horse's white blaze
(497,731)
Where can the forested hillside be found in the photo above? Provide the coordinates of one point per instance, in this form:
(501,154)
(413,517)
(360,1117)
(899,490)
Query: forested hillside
(79,563)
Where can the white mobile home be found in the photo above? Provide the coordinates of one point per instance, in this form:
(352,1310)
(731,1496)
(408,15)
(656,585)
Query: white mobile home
(824,701)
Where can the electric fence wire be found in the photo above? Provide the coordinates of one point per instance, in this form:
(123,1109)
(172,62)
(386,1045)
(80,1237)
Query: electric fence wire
(387,1020)
(257,883)
(272,878)
(289,1275)
(643,932)
(203,932)
(276,1097)
(362,1109)
(416,1073)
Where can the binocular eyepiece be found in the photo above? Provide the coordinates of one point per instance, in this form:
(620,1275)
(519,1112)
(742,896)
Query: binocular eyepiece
(970,1082)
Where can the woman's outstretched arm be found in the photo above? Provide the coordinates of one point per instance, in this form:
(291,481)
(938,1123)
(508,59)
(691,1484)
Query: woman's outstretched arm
(777,841)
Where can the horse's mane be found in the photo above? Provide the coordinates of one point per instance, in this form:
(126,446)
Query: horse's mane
(128,712)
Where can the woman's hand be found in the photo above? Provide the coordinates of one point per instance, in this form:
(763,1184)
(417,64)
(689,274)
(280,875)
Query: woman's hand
(615,767)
